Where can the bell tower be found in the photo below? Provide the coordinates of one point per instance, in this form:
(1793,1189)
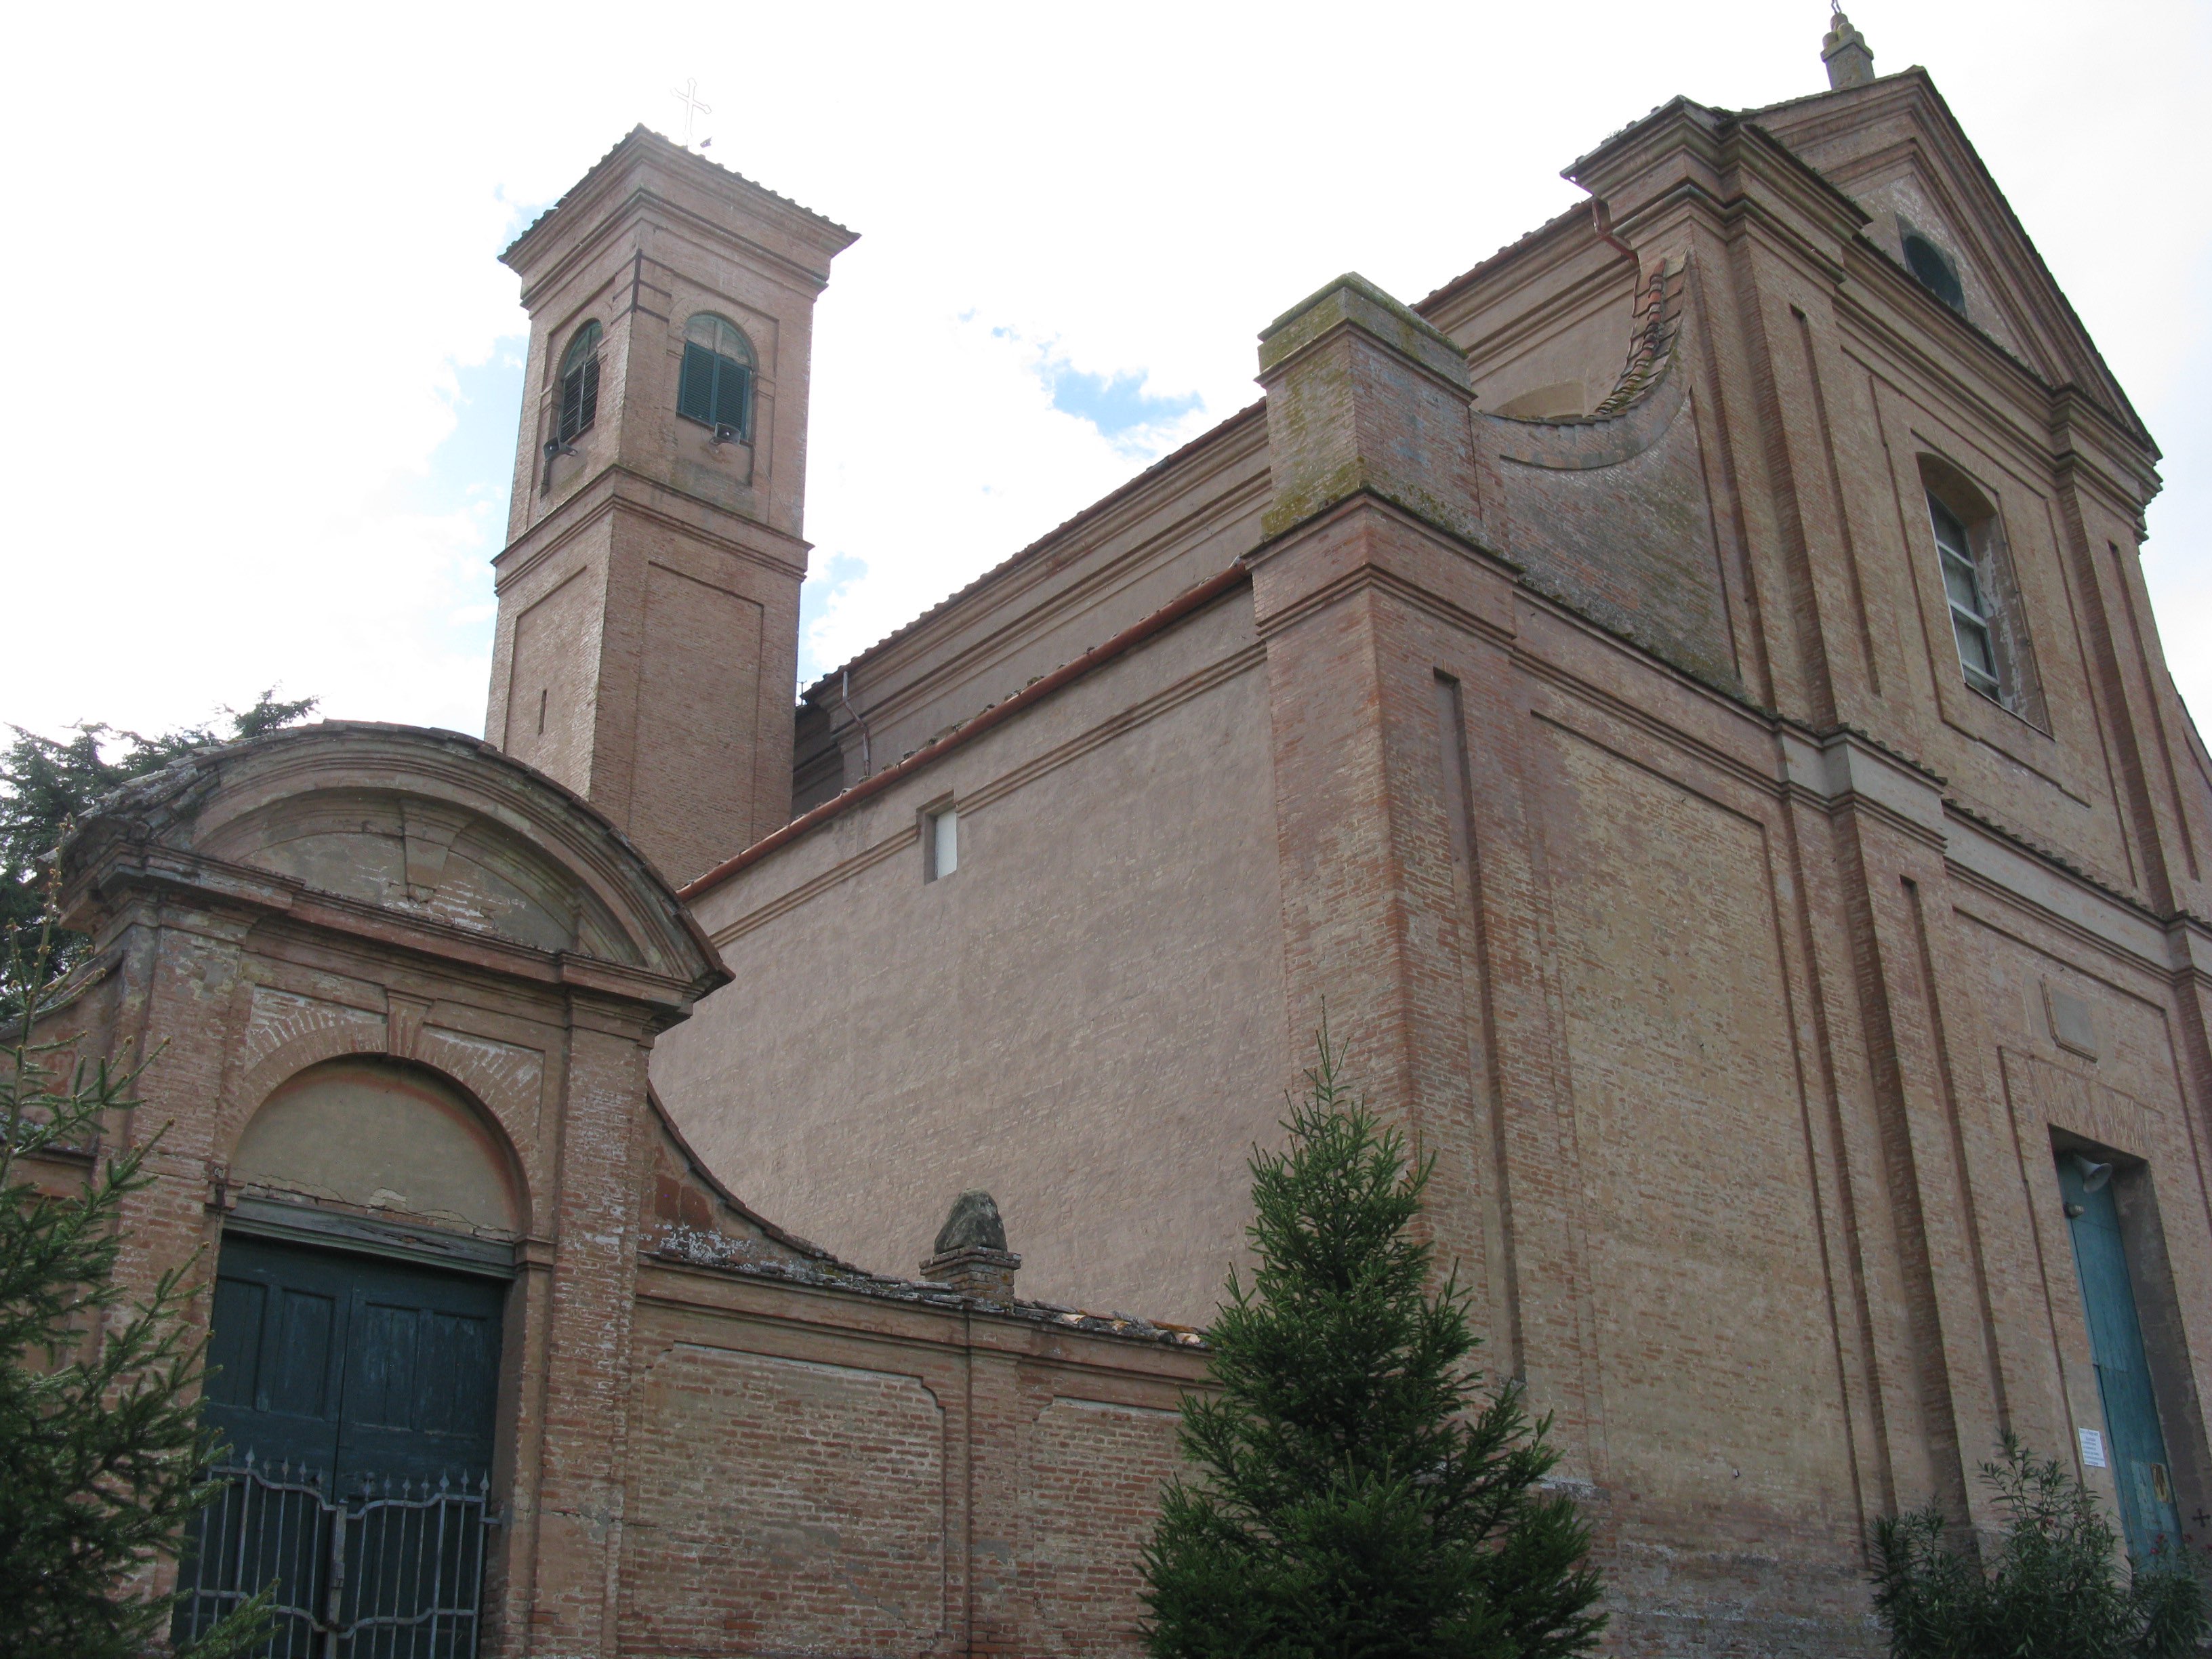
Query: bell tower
(648,593)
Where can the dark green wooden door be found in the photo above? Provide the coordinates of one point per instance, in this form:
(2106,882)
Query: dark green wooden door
(356,1367)
(2135,1445)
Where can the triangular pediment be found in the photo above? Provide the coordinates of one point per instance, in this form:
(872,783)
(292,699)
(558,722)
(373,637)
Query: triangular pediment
(1893,146)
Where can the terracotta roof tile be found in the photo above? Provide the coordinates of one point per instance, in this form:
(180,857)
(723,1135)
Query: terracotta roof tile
(642,132)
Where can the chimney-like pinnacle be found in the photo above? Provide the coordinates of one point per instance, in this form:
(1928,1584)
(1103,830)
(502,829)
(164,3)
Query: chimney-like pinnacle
(971,1255)
(1844,50)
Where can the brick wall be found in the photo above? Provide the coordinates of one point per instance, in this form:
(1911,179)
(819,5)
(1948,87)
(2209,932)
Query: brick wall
(1631,815)
(871,1467)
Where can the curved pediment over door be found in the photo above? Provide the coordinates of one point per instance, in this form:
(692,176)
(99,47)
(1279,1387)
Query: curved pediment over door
(430,858)
(431,826)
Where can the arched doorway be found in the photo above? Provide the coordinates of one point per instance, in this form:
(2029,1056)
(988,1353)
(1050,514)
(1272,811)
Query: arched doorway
(353,1363)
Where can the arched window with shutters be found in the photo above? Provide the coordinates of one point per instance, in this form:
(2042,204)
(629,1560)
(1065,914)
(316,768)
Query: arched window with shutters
(579,383)
(716,388)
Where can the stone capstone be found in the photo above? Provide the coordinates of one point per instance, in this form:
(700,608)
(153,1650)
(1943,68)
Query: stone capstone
(975,1223)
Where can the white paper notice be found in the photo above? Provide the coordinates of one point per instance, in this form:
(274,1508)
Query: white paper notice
(2093,1449)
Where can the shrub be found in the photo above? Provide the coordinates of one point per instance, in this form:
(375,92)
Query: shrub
(2050,1588)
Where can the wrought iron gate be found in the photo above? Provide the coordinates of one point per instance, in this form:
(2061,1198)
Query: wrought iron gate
(395,1571)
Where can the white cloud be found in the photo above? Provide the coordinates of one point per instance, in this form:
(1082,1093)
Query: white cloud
(965,462)
(255,273)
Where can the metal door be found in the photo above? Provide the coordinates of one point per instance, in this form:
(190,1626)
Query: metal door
(356,1396)
(2136,1443)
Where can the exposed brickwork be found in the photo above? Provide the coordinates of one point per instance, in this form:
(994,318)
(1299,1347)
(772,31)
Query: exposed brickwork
(1090,1487)
(714,1437)
(783,1505)
(1613,514)
(1629,812)
(648,614)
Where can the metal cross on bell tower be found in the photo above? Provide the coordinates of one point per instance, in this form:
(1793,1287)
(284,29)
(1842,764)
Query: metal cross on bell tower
(687,95)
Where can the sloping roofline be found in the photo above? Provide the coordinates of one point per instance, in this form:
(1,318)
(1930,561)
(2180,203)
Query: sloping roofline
(166,808)
(1105,503)
(1721,120)
(1919,77)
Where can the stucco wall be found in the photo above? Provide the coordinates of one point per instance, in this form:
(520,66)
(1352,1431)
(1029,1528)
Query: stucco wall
(1085,1019)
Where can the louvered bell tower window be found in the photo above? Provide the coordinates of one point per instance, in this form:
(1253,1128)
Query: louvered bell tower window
(716,388)
(1970,608)
(580,382)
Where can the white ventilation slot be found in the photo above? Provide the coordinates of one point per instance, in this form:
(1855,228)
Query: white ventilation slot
(944,842)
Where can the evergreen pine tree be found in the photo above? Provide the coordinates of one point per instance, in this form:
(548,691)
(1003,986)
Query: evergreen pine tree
(2048,1586)
(101,1447)
(1355,1495)
(45,783)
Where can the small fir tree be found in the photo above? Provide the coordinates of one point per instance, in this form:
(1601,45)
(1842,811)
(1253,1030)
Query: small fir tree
(1357,1497)
(101,1453)
(2049,1588)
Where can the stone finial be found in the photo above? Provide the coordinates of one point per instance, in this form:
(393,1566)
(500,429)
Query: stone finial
(975,1223)
(971,1255)
(1844,50)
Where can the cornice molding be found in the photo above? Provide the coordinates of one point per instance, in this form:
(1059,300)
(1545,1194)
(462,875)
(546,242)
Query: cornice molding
(617,487)
(1186,605)
(647,207)
(1911,98)
(1179,473)
(1094,589)
(153,835)
(242,892)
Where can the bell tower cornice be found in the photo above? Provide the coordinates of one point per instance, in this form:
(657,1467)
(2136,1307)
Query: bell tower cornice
(664,179)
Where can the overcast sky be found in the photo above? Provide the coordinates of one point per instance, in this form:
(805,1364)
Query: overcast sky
(267,368)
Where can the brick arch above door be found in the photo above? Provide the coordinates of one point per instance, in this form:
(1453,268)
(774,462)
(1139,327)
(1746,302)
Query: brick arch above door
(288,1033)
(373,1134)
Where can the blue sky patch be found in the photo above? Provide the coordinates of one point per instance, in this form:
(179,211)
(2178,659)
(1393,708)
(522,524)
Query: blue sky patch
(478,455)
(1115,403)
(823,583)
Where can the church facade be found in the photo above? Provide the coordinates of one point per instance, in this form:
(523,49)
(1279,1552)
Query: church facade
(1681,699)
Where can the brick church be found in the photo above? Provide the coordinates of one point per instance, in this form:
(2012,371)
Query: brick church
(1682,694)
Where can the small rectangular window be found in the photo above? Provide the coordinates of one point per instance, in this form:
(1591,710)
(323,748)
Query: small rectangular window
(942,838)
